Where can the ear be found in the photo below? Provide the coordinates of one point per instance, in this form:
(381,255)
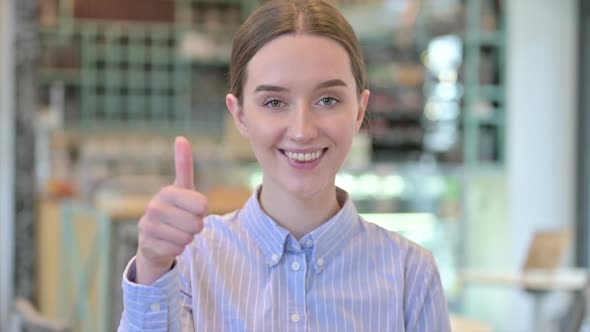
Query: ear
(237,112)
(363,102)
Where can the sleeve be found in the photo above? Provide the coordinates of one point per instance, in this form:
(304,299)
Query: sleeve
(425,303)
(166,305)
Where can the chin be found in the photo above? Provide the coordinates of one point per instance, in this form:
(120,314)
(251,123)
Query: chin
(305,189)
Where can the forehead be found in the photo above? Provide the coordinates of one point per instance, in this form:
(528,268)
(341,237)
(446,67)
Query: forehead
(299,59)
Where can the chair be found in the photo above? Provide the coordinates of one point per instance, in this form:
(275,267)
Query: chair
(577,312)
(541,273)
(545,253)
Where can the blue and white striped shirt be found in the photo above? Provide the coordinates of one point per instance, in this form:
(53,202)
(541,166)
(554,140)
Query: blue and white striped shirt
(243,272)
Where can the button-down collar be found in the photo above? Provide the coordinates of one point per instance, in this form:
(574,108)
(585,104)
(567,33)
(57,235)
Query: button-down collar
(327,240)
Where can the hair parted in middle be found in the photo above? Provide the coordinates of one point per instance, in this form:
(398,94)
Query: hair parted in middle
(278,17)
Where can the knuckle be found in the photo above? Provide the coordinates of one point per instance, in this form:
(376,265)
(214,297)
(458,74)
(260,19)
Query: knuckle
(198,226)
(168,190)
(140,240)
(156,210)
(177,252)
(146,228)
(204,206)
(141,225)
(186,239)
(151,209)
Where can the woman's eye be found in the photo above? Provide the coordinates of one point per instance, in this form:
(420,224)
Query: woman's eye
(328,101)
(274,103)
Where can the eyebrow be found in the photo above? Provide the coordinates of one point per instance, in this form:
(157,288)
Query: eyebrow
(323,85)
(331,83)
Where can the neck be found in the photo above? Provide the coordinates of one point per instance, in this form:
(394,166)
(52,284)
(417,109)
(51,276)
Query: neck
(299,215)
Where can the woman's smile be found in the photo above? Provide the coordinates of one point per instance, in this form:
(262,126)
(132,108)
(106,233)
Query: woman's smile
(304,159)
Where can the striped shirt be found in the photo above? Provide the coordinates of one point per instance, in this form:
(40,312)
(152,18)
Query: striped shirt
(243,272)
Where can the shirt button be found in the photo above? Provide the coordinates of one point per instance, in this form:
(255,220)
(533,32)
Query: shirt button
(320,262)
(274,258)
(295,318)
(155,307)
(295,266)
(308,243)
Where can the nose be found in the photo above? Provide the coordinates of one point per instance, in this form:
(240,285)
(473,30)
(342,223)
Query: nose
(302,125)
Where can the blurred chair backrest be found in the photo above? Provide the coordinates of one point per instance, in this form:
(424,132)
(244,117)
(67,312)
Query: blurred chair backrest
(30,320)
(547,249)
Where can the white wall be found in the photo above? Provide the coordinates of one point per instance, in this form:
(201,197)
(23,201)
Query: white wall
(541,103)
(6,164)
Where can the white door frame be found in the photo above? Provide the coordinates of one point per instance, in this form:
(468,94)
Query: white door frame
(7,162)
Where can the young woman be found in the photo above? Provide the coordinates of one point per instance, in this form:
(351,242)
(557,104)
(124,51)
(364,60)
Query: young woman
(296,257)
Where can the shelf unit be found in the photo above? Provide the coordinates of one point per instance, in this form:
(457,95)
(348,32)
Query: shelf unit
(484,46)
(395,110)
(126,74)
(481,124)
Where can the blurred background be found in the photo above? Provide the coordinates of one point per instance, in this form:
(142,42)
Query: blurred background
(476,146)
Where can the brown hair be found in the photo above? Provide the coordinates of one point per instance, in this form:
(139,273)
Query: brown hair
(278,17)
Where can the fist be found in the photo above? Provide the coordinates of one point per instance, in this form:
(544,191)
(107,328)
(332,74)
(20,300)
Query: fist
(172,219)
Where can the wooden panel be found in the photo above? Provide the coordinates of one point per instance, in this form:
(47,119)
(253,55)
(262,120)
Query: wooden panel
(128,10)
(49,241)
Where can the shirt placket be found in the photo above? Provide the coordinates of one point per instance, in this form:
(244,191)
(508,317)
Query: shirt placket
(295,269)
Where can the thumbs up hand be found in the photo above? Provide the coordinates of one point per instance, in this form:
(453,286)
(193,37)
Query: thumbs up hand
(172,219)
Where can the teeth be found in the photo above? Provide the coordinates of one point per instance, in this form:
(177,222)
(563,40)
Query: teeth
(304,156)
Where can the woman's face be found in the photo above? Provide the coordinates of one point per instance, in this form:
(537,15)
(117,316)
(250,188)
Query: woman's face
(300,112)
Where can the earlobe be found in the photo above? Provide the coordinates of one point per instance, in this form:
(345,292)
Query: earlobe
(237,113)
(363,102)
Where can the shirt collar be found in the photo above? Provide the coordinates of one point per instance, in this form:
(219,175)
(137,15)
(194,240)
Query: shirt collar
(328,240)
